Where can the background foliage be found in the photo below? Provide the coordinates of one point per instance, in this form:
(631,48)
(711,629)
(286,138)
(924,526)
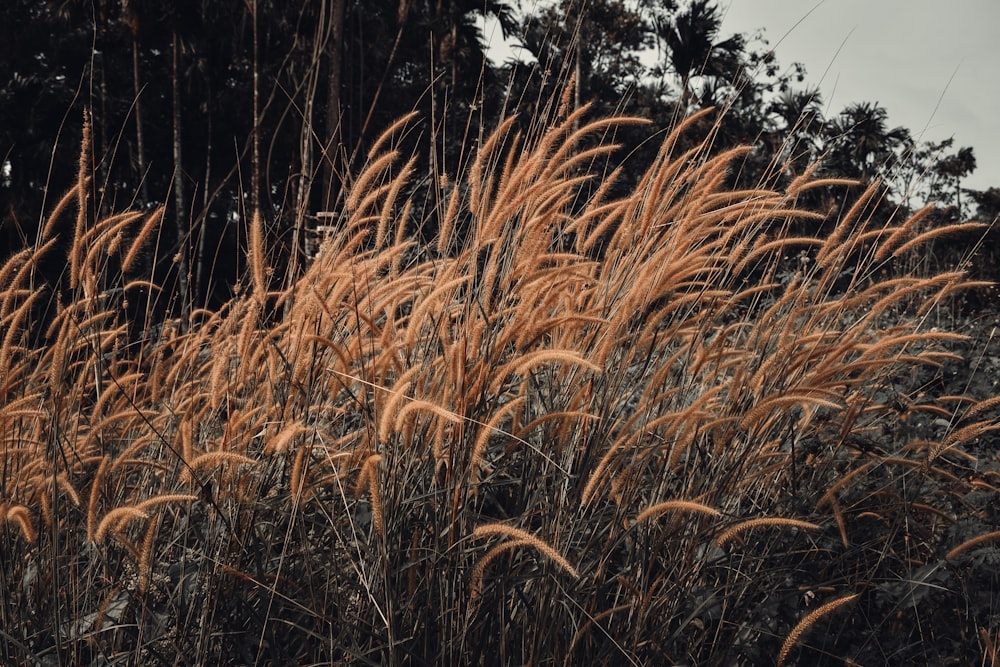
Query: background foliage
(215,108)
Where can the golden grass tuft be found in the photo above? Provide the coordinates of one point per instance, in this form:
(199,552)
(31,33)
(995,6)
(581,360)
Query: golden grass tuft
(568,339)
(735,531)
(18,514)
(808,621)
(117,517)
(676,506)
(972,542)
(526,538)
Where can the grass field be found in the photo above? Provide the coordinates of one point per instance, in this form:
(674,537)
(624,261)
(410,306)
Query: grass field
(569,426)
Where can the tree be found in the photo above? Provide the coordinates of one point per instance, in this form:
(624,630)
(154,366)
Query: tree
(952,169)
(214,110)
(40,90)
(597,44)
(689,37)
(860,143)
(987,204)
(798,121)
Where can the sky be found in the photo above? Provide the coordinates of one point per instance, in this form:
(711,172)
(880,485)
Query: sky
(931,63)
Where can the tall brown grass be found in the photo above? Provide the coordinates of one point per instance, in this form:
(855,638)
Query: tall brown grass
(618,385)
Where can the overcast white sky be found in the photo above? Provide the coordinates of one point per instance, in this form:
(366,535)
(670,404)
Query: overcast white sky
(933,64)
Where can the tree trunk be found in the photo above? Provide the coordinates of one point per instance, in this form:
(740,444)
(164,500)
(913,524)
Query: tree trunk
(198,289)
(334,136)
(577,83)
(181,213)
(139,140)
(255,156)
(306,138)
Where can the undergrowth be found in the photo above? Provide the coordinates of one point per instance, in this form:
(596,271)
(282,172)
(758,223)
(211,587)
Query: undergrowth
(568,427)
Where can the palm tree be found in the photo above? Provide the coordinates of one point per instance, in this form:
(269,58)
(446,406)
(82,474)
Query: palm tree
(798,110)
(600,40)
(862,146)
(689,38)
(798,124)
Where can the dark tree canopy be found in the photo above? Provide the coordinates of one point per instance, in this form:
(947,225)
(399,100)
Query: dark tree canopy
(212,108)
